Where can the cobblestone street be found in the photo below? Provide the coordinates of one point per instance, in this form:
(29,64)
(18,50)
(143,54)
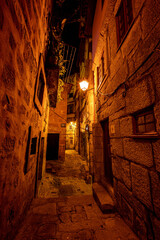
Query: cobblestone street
(71,213)
(66,178)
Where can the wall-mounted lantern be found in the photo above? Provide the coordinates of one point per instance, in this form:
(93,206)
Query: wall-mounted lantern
(84,85)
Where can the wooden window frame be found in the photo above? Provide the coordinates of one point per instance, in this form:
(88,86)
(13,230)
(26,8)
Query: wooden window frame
(126,10)
(102,65)
(98,77)
(38,103)
(144,113)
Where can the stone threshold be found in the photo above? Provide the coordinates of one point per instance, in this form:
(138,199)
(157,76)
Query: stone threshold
(103,199)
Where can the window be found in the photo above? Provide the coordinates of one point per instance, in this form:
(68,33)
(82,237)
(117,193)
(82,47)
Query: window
(71,95)
(40,86)
(100,71)
(70,108)
(40,89)
(70,127)
(28,150)
(123,19)
(33,146)
(71,140)
(102,62)
(97,76)
(144,122)
(102,3)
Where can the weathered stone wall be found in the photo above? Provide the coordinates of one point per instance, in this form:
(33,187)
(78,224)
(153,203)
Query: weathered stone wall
(23,28)
(132,83)
(86,106)
(70,135)
(58,121)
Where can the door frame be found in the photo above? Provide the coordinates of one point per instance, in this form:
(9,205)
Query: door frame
(107,159)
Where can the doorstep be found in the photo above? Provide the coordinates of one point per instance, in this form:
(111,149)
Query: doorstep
(103,198)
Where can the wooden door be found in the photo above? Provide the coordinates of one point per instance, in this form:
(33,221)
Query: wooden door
(107,153)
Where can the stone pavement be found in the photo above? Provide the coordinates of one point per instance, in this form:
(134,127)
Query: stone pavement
(70,213)
(66,178)
(72,218)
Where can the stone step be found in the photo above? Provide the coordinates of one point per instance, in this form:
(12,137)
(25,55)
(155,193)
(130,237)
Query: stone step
(50,170)
(103,199)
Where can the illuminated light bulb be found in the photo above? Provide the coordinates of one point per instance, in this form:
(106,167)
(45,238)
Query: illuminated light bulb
(84,85)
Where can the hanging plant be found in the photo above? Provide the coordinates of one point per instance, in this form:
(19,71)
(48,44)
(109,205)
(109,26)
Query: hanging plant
(62,71)
(60,90)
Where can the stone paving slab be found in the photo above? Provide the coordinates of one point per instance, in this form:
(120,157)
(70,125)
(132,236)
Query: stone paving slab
(72,218)
(66,209)
(71,177)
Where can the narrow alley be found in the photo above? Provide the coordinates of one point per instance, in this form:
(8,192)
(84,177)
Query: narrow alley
(66,210)
(79,119)
(67,178)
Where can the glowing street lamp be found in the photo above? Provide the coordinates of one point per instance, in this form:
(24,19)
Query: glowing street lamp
(84,85)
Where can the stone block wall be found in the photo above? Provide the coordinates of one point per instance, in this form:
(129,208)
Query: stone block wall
(131,84)
(70,135)
(23,32)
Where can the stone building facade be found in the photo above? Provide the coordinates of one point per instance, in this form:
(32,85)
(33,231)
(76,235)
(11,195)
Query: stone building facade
(58,122)
(24,107)
(125,55)
(71,117)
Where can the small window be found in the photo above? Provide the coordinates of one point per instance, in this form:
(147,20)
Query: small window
(97,76)
(70,127)
(145,122)
(102,3)
(124,19)
(102,62)
(71,95)
(40,86)
(40,89)
(70,108)
(33,146)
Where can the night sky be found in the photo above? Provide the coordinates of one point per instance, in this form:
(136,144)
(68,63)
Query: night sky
(69,10)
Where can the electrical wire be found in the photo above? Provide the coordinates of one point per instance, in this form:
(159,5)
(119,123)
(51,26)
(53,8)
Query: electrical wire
(60,116)
(72,61)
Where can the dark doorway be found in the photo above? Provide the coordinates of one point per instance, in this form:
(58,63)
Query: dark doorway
(37,165)
(107,152)
(52,146)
